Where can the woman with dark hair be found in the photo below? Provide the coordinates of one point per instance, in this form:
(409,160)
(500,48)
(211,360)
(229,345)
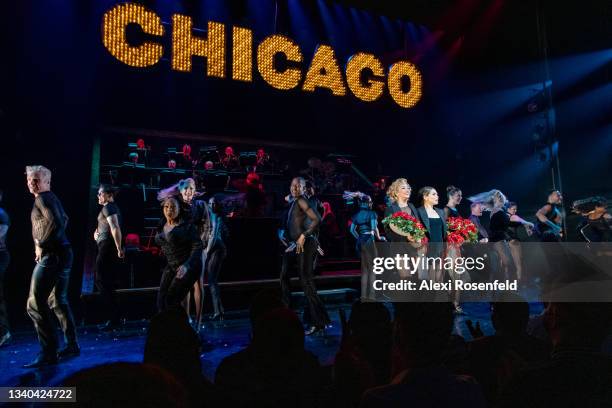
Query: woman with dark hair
(182,248)
(454,196)
(434,221)
(198,214)
(109,240)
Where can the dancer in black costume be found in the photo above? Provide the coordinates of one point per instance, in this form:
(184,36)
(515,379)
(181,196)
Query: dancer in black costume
(108,238)
(550,218)
(302,226)
(182,248)
(50,278)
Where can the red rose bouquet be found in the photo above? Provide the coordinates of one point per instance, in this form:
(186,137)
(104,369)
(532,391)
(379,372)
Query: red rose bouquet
(461,230)
(406,225)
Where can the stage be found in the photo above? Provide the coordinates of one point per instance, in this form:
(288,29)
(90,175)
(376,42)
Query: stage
(219,340)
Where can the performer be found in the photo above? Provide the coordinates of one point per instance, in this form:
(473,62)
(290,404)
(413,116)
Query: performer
(399,195)
(434,221)
(217,251)
(364,227)
(5,223)
(110,249)
(495,201)
(476,213)
(49,284)
(597,224)
(182,248)
(514,242)
(454,196)
(550,218)
(301,228)
(198,214)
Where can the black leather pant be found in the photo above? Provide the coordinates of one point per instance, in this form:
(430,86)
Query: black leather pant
(105,272)
(49,291)
(314,309)
(214,261)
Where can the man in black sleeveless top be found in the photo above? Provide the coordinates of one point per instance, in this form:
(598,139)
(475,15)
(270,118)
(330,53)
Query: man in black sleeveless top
(49,285)
(550,218)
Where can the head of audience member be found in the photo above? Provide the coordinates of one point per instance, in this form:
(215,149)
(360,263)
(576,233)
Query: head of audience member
(38,179)
(278,332)
(173,345)
(127,384)
(421,332)
(370,327)
(263,302)
(454,196)
(429,196)
(399,191)
(578,324)
(476,209)
(510,315)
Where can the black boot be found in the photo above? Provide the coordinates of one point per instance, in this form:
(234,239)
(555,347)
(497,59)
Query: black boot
(71,350)
(42,359)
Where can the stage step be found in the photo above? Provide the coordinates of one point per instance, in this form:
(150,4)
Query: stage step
(338,264)
(140,303)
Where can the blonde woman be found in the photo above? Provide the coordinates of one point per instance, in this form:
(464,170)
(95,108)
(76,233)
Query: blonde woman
(398,194)
(495,201)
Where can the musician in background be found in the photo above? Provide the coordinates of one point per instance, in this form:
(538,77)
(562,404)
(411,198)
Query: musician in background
(261,158)
(550,218)
(229,160)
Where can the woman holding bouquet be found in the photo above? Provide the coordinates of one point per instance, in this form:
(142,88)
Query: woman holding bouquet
(399,195)
(434,221)
(454,196)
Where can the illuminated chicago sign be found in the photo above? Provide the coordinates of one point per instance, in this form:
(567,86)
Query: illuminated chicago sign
(365,75)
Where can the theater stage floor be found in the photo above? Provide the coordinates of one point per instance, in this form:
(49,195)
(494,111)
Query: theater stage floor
(221,340)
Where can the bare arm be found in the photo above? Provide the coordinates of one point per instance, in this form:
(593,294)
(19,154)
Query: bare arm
(516,218)
(113,222)
(353,230)
(541,214)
